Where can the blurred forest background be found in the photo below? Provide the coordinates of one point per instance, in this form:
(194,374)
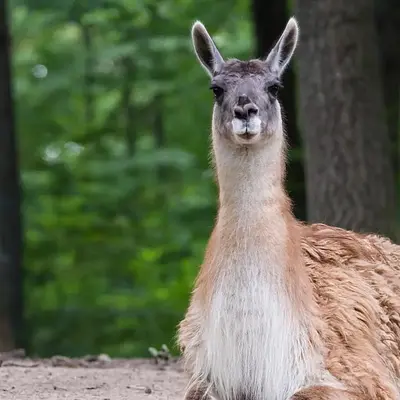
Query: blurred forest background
(106,194)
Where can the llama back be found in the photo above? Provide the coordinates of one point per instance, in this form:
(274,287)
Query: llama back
(356,283)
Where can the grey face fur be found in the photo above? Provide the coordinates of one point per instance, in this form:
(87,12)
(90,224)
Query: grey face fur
(246,108)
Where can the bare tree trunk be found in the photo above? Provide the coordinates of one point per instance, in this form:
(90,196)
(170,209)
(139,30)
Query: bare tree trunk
(349,172)
(387,17)
(10,229)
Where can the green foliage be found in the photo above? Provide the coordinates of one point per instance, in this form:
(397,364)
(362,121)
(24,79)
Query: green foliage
(113,116)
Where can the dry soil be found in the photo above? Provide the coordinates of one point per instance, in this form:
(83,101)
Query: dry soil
(90,378)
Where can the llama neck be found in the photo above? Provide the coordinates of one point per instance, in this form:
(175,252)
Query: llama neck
(250,180)
(255,219)
(255,216)
(255,225)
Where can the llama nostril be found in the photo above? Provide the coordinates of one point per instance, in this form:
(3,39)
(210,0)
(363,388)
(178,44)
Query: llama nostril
(239,112)
(251,109)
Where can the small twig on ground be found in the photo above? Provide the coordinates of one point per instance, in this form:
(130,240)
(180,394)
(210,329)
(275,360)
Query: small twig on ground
(94,387)
(15,364)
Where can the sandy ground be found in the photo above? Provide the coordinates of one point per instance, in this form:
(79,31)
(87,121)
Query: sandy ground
(96,378)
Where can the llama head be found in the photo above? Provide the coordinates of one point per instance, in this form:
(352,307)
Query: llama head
(246,109)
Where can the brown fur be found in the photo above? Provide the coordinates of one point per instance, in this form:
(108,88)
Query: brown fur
(356,285)
(325,393)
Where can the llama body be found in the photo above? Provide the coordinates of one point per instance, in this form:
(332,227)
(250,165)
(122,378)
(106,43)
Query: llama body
(281,310)
(252,337)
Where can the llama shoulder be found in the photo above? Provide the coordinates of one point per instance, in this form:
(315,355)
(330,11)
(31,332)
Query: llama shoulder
(323,244)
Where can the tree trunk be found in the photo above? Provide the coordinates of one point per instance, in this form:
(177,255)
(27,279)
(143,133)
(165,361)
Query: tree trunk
(276,12)
(10,230)
(387,17)
(349,172)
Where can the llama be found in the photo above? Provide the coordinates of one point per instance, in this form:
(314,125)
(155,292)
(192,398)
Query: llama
(281,309)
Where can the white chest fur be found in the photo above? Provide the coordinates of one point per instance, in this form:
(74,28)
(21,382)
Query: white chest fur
(254,345)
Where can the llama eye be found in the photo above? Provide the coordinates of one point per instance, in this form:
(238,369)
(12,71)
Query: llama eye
(273,90)
(218,92)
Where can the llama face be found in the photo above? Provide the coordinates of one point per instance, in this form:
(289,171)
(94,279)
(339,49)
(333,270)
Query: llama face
(246,109)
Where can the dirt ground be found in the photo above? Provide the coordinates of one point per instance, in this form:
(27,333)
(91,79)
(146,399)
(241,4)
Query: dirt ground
(90,378)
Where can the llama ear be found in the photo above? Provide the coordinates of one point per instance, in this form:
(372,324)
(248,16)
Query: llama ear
(279,57)
(206,50)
